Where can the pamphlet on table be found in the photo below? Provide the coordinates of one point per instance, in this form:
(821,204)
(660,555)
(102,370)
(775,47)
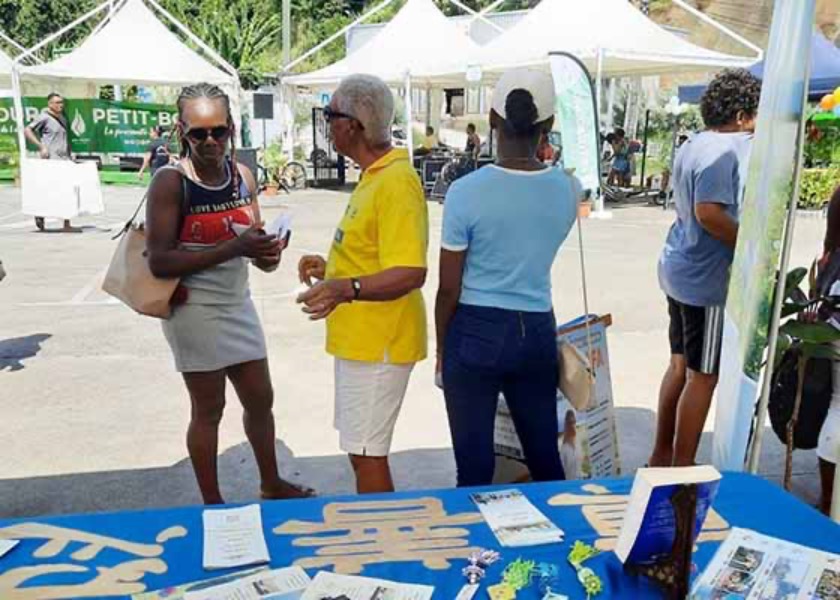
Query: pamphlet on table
(179,592)
(280,584)
(349,587)
(514,520)
(650,527)
(233,537)
(752,566)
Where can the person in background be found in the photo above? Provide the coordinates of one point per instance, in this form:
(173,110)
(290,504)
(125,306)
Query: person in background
(473,146)
(157,153)
(621,167)
(369,289)
(545,151)
(568,447)
(431,141)
(502,228)
(214,331)
(49,132)
(828,445)
(695,262)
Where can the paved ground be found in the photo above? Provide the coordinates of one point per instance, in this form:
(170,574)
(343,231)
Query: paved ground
(93,414)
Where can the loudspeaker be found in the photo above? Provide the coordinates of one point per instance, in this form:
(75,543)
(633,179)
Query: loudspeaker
(264,106)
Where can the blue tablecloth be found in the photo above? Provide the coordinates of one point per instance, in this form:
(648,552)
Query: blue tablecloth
(76,556)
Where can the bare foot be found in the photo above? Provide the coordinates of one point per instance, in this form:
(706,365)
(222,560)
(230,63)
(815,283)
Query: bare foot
(283,490)
(213,501)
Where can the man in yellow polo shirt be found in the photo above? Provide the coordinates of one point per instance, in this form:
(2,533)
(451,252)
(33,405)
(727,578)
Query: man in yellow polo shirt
(370,287)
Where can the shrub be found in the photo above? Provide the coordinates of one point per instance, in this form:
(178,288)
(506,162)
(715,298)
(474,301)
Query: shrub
(817,187)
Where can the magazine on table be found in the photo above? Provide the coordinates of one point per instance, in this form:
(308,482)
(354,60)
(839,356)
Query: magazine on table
(331,586)
(752,566)
(514,520)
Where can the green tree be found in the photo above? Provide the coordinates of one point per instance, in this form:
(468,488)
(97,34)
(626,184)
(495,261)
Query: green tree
(30,21)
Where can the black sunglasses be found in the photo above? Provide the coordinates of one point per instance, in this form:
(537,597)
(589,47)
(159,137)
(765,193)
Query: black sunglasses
(220,133)
(331,115)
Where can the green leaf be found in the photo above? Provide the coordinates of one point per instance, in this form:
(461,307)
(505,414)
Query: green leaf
(820,351)
(813,333)
(794,280)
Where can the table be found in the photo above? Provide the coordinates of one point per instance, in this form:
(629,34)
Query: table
(425,534)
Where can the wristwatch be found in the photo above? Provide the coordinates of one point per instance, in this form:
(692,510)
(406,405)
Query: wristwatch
(357,287)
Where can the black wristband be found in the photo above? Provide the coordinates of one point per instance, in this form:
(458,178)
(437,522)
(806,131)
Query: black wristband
(357,287)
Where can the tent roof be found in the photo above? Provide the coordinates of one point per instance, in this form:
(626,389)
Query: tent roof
(5,71)
(134,47)
(419,40)
(825,72)
(631,43)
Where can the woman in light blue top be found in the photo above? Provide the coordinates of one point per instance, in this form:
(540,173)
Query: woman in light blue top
(502,228)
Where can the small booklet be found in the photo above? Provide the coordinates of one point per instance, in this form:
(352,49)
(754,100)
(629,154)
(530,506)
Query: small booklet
(350,587)
(178,592)
(280,584)
(650,526)
(752,566)
(233,537)
(514,520)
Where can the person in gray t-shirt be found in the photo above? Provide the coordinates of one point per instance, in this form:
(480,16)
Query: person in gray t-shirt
(709,177)
(49,132)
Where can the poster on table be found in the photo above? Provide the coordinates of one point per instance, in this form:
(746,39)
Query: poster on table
(101,126)
(769,190)
(575,119)
(595,442)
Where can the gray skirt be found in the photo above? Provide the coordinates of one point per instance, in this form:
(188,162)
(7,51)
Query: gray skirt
(211,337)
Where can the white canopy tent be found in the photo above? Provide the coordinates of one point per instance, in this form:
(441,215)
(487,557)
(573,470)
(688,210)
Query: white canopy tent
(419,41)
(418,47)
(611,37)
(130,46)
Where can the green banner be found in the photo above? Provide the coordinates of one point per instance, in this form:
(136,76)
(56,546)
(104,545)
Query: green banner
(96,126)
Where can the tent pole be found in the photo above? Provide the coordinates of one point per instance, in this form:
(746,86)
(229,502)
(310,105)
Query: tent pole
(835,497)
(51,38)
(336,35)
(11,42)
(17,99)
(725,30)
(195,39)
(477,16)
(429,107)
(645,147)
(610,103)
(409,134)
(600,211)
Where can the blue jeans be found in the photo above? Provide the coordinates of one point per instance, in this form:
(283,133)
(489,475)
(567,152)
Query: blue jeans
(488,351)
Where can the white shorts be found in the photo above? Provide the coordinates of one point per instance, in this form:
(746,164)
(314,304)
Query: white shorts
(828,446)
(368,398)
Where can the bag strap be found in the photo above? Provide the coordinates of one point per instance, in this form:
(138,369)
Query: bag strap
(583,276)
(184,207)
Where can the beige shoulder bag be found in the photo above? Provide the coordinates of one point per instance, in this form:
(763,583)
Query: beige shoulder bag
(129,278)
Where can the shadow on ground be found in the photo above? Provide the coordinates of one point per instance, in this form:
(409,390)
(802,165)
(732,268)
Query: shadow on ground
(329,475)
(15,350)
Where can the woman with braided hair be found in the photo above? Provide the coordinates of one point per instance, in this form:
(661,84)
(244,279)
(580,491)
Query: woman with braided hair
(214,331)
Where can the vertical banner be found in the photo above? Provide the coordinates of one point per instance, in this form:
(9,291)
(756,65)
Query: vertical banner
(769,194)
(576,118)
(590,434)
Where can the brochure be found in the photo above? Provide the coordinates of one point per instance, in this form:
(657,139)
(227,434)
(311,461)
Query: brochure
(514,520)
(233,537)
(331,586)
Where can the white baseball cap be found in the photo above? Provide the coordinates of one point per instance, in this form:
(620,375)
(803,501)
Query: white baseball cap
(538,83)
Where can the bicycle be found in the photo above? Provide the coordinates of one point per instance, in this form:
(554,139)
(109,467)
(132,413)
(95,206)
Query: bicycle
(292,177)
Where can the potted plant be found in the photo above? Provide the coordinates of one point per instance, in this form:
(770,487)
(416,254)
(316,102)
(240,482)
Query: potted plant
(803,356)
(273,162)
